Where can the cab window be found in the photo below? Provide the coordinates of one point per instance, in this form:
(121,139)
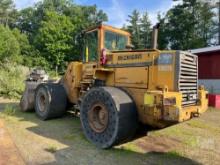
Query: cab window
(91,46)
(114,41)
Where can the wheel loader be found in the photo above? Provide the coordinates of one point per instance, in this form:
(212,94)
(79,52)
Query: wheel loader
(115,88)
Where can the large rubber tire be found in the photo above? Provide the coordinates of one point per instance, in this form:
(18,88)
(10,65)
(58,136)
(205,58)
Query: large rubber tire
(50,101)
(27,99)
(122,116)
(25,105)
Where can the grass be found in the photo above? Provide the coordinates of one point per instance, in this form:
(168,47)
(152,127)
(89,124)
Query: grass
(131,147)
(51,149)
(173,154)
(186,135)
(175,130)
(198,124)
(191,141)
(204,125)
(69,136)
(211,109)
(65,138)
(9,110)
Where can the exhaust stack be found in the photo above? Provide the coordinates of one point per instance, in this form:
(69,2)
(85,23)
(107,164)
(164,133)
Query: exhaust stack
(155,36)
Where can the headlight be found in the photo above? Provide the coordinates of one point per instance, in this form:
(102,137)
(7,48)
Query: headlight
(169,101)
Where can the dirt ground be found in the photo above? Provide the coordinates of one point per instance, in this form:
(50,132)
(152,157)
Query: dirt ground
(9,154)
(61,141)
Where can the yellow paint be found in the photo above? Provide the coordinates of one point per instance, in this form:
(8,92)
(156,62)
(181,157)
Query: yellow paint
(87,54)
(148,100)
(139,74)
(72,80)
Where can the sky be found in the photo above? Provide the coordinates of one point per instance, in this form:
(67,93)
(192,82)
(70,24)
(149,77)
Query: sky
(118,10)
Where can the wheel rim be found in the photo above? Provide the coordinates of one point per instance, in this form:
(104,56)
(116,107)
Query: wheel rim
(98,118)
(42,103)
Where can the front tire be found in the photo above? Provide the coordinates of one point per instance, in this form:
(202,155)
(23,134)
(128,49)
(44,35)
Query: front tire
(50,101)
(108,116)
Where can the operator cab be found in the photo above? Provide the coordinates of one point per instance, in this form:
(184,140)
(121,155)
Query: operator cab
(103,37)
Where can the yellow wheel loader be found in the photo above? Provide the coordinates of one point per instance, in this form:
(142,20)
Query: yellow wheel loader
(114,88)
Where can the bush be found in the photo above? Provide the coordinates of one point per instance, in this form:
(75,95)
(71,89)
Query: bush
(12,78)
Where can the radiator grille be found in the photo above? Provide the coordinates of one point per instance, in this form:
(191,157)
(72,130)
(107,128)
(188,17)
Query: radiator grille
(188,78)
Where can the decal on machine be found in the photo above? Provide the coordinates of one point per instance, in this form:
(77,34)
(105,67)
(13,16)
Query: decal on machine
(130,57)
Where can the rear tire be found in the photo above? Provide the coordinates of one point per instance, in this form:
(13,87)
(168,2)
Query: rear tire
(24,104)
(27,99)
(50,101)
(108,116)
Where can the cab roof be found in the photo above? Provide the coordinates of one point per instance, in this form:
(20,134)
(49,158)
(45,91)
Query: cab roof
(110,28)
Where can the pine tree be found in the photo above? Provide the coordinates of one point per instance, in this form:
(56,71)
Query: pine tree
(135,29)
(145,31)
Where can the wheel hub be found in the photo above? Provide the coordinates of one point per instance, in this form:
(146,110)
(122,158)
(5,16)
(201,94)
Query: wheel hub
(98,118)
(42,103)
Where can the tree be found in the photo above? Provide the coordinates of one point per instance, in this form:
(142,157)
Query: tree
(30,22)
(23,42)
(85,16)
(140,29)
(135,29)
(7,12)
(25,21)
(213,5)
(145,31)
(189,25)
(163,35)
(29,19)
(54,38)
(9,45)
(207,23)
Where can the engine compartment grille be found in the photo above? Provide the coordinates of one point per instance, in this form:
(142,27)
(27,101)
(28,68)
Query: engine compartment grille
(188,78)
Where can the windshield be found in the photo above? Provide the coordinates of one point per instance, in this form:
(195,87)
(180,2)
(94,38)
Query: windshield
(114,41)
(91,46)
